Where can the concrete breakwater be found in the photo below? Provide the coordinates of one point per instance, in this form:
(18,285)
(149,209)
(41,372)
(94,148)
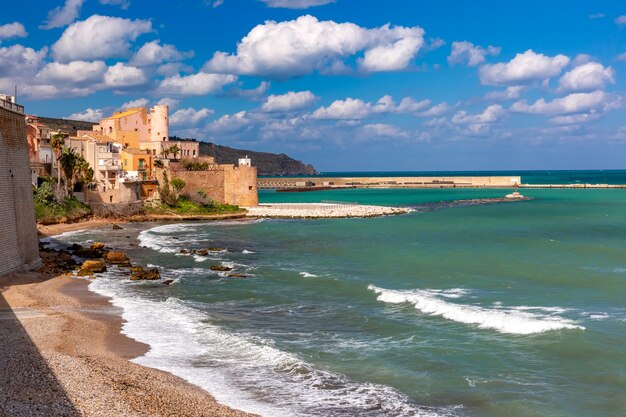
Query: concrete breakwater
(323,210)
(388,182)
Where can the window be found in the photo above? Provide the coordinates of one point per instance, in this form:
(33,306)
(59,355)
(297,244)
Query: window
(110,129)
(194,152)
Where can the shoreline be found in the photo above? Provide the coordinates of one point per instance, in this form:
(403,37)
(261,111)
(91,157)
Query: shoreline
(50,230)
(73,337)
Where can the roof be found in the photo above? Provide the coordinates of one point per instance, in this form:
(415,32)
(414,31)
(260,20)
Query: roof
(125,113)
(98,137)
(135,151)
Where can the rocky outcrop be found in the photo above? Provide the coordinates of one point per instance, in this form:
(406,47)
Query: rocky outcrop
(220,268)
(237,276)
(117,258)
(91,267)
(141,274)
(202,252)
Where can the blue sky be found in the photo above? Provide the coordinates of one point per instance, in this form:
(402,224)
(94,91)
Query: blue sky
(344,84)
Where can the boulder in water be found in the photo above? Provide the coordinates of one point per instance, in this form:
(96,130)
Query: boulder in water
(150,274)
(117,258)
(220,268)
(91,267)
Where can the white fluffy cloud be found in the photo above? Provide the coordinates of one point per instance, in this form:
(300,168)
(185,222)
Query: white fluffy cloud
(63,15)
(140,102)
(301,46)
(75,72)
(189,117)
(348,109)
(587,77)
(18,60)
(570,104)
(356,109)
(99,37)
(152,53)
(89,115)
(12,30)
(393,57)
(510,93)
(490,115)
(199,84)
(289,102)
(172,103)
(524,68)
(122,75)
(383,130)
(296,4)
(231,123)
(467,53)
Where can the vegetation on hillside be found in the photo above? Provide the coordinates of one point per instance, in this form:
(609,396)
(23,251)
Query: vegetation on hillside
(49,211)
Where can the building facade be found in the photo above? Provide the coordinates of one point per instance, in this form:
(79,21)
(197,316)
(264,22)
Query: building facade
(103,156)
(19,247)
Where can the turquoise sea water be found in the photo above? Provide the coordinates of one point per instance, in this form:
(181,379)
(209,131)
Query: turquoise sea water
(509,309)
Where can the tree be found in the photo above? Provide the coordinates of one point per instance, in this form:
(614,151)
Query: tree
(57,143)
(75,169)
(175,150)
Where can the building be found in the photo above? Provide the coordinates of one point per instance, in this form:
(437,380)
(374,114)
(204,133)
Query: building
(139,128)
(138,165)
(103,156)
(18,234)
(39,132)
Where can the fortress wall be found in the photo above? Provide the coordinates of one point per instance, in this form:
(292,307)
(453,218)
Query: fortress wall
(225,184)
(19,249)
(241,186)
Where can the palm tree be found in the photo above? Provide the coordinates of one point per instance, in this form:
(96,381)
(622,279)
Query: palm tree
(174,149)
(68,161)
(57,143)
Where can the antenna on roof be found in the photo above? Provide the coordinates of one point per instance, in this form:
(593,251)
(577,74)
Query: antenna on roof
(15,94)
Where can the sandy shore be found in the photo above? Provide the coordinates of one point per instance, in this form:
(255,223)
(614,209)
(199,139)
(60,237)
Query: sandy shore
(63,355)
(322,210)
(93,223)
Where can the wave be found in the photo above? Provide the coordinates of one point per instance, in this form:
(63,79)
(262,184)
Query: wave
(246,251)
(242,370)
(307,275)
(515,320)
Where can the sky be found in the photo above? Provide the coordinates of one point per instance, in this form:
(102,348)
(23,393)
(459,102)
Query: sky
(346,85)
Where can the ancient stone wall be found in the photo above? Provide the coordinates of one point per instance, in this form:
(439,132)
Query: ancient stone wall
(225,184)
(18,234)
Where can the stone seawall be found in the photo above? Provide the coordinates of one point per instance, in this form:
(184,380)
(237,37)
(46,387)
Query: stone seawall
(390,182)
(18,234)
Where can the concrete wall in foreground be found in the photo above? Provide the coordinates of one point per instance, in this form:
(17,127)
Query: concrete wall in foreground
(19,250)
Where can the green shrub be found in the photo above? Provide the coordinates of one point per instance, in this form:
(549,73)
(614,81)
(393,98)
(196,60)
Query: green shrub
(178,184)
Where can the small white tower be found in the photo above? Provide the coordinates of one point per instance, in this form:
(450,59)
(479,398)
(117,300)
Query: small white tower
(245,162)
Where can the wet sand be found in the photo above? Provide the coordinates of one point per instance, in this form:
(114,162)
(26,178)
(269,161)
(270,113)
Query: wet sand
(63,355)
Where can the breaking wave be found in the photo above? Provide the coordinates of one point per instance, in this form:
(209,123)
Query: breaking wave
(515,320)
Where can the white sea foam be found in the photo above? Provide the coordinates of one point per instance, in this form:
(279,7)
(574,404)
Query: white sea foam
(307,275)
(504,320)
(59,241)
(245,371)
(246,251)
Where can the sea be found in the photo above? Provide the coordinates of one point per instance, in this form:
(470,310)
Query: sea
(463,307)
